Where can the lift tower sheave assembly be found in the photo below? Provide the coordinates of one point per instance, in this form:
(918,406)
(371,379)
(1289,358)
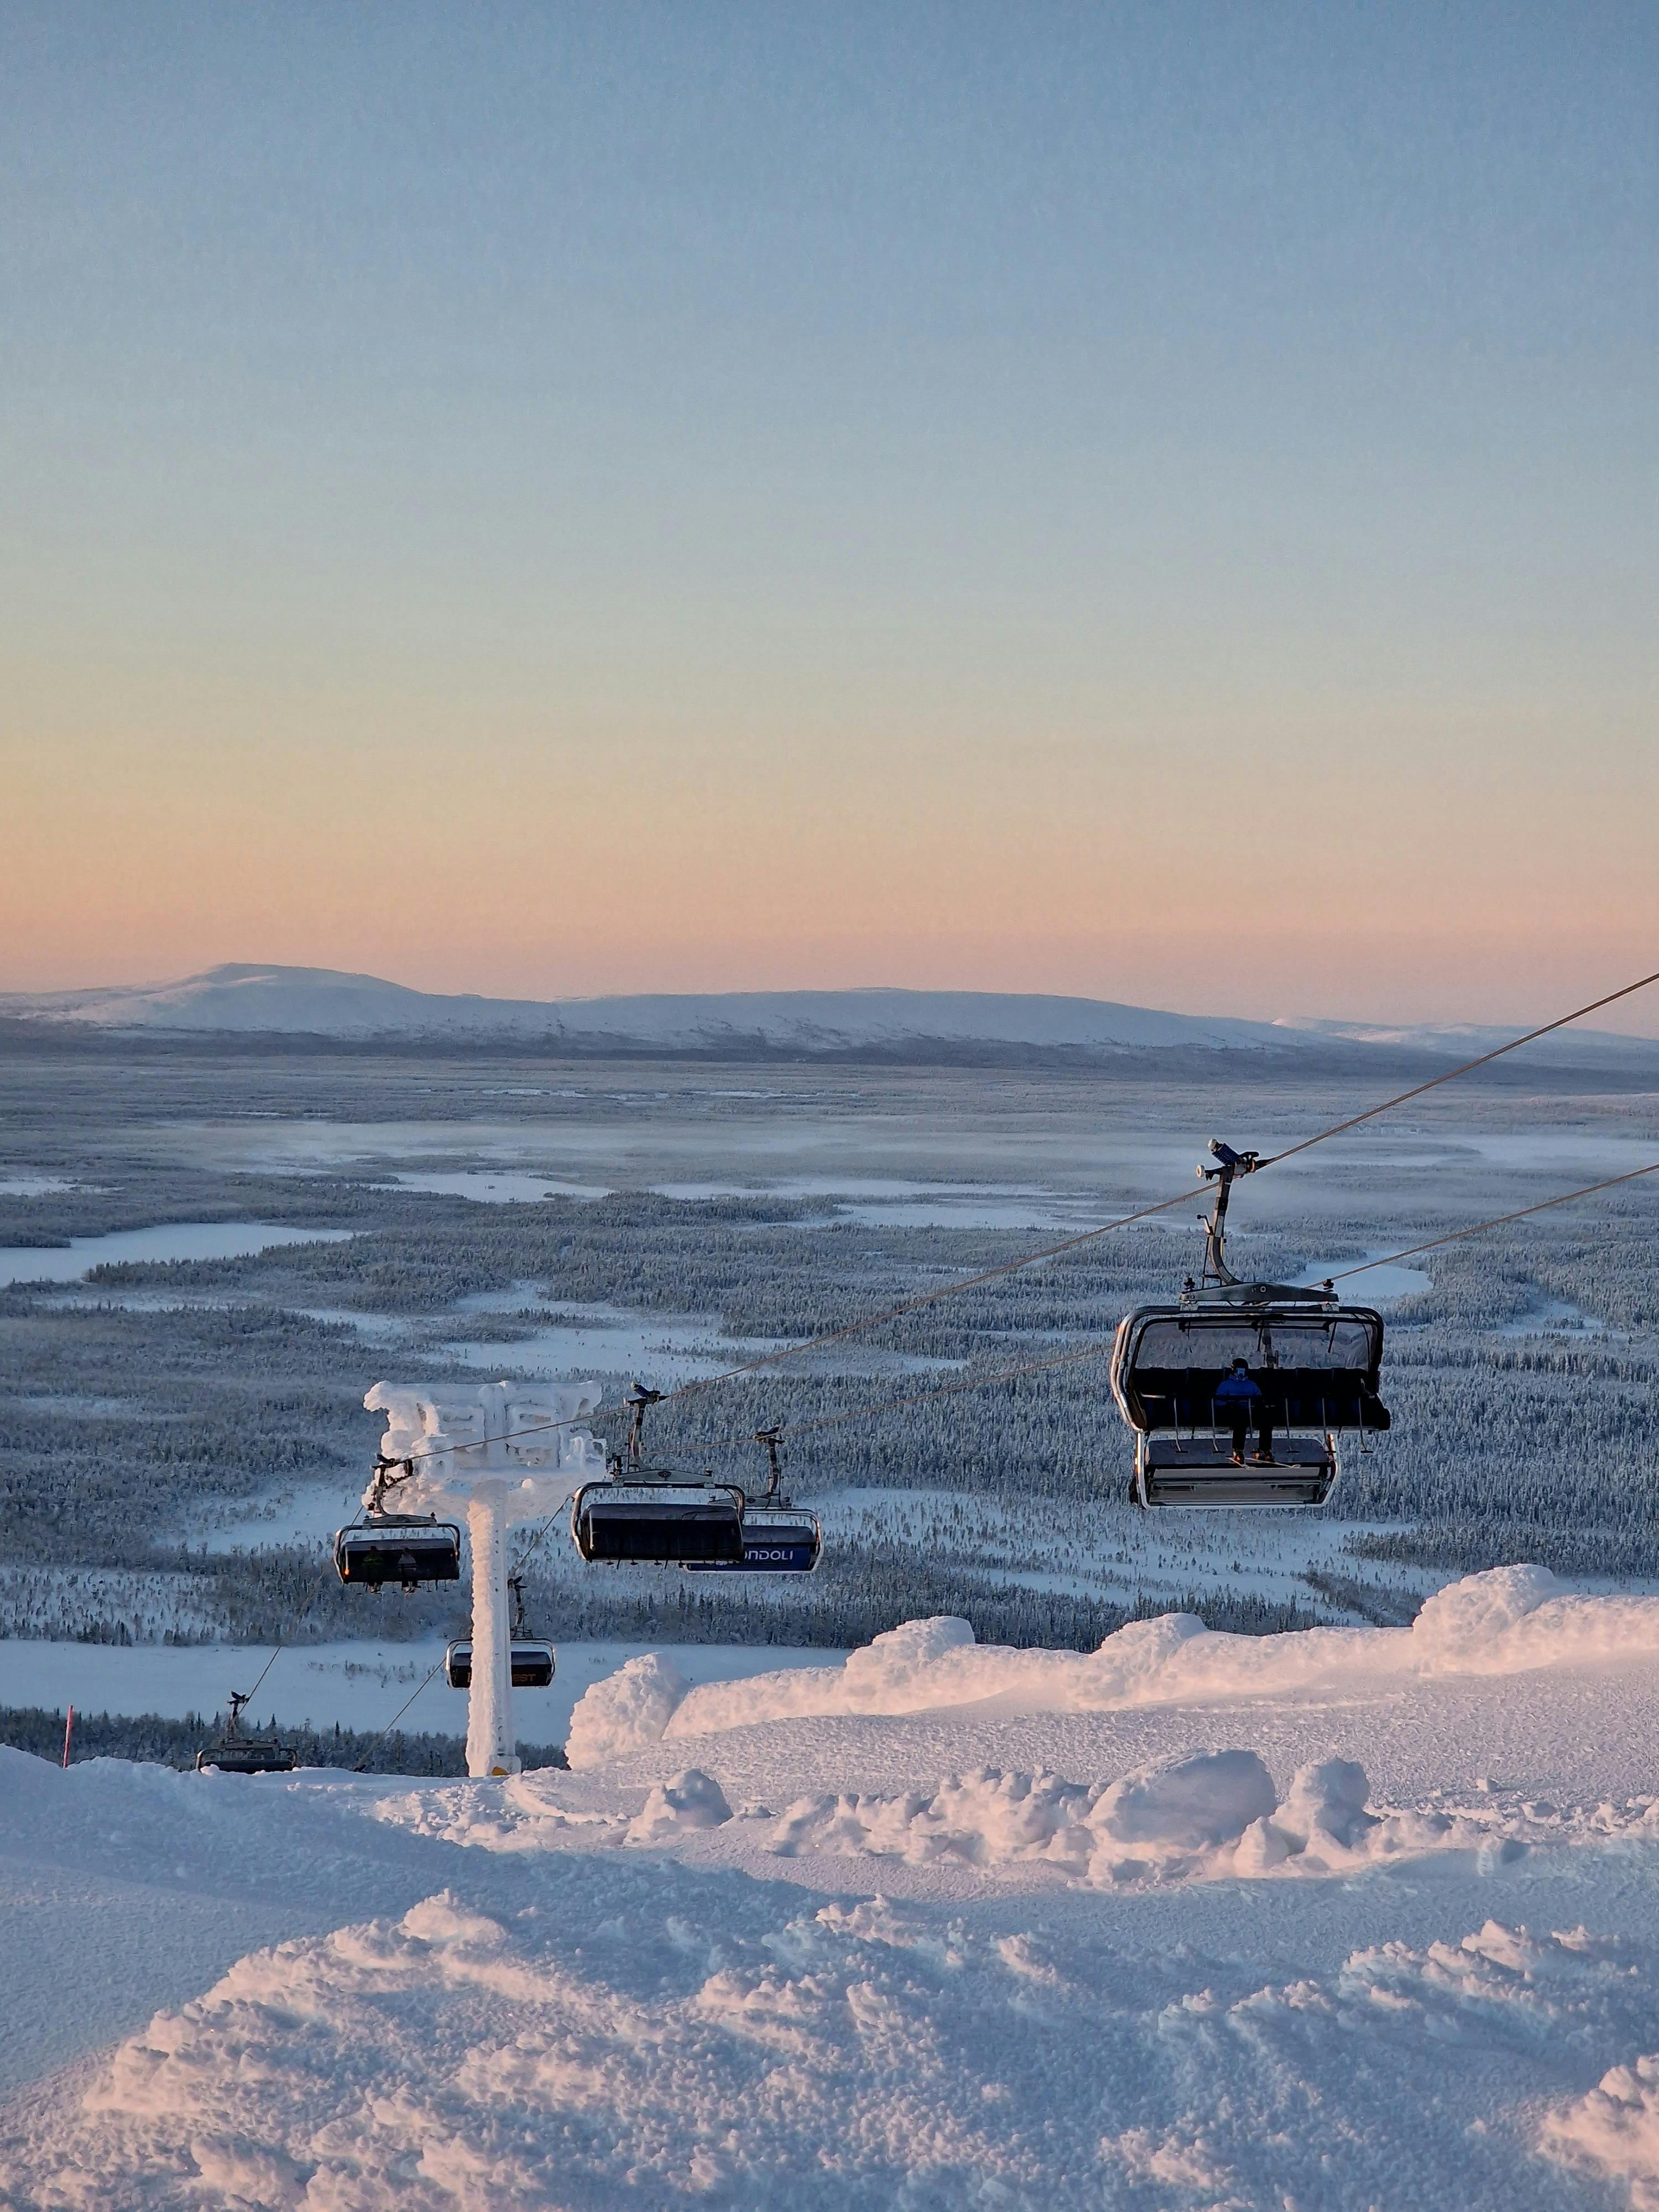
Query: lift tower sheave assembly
(499,1454)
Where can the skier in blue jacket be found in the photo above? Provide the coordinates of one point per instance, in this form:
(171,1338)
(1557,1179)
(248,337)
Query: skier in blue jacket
(1238,1396)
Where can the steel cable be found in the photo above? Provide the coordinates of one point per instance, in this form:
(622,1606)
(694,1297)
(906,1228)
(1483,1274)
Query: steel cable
(1084,1236)
(1101,1345)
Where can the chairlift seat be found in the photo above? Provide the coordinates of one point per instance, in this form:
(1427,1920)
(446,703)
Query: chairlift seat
(781,1544)
(247,1755)
(532,1664)
(658,1524)
(1202,1471)
(373,1552)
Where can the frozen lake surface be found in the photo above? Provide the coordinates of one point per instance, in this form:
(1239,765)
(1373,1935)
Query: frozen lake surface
(1370,1285)
(891,1202)
(360,1684)
(1555,1317)
(170,1240)
(495,1185)
(669,1349)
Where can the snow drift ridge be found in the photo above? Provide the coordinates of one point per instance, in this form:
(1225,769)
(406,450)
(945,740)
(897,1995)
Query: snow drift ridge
(1505,1621)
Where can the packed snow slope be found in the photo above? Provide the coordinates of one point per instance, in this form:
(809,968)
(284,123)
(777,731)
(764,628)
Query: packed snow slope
(247,998)
(1351,1919)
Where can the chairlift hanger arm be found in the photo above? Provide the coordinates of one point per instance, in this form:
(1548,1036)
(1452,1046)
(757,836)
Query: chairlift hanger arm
(771,1438)
(637,1399)
(1229,1163)
(384,1478)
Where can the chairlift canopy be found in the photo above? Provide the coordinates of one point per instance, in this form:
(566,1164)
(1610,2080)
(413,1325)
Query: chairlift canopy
(658,1520)
(376,1551)
(247,1755)
(781,1543)
(1317,1366)
(531,1663)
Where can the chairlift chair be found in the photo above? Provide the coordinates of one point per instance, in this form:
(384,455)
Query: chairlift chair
(530,1662)
(236,1754)
(403,1549)
(650,1517)
(778,1538)
(640,1516)
(405,1552)
(1315,1362)
(783,1544)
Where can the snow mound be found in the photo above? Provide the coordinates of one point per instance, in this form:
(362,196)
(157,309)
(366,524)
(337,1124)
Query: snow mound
(1614,2132)
(1466,1620)
(1509,1621)
(626,1712)
(688,1801)
(1190,1816)
(516,1814)
(885,1673)
(1194,1816)
(1187,1802)
(1327,1807)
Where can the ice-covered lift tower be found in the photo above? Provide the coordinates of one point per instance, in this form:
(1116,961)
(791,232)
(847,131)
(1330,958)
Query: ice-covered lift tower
(501,1453)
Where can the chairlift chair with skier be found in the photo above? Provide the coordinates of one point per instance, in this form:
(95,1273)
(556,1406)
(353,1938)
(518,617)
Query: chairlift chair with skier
(1191,1376)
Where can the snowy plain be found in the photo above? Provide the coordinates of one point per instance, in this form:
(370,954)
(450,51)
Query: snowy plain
(1336,1918)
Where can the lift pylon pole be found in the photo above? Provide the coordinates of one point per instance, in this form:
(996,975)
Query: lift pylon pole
(490,1747)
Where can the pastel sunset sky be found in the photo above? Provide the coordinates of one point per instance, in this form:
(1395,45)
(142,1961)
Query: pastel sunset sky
(1155,501)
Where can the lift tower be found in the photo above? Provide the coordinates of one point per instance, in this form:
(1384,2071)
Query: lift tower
(501,1453)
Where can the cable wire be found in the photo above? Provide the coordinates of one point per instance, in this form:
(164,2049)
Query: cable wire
(1098,1349)
(294,1618)
(1084,1236)
(358,1765)
(1094,1351)
(1498,1221)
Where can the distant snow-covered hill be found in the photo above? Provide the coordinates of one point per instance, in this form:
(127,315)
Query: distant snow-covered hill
(249,999)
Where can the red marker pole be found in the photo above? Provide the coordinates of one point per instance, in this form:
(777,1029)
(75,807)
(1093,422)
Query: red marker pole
(69,1726)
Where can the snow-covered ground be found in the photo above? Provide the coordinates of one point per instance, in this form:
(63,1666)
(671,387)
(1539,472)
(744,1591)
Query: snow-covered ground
(1349,1919)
